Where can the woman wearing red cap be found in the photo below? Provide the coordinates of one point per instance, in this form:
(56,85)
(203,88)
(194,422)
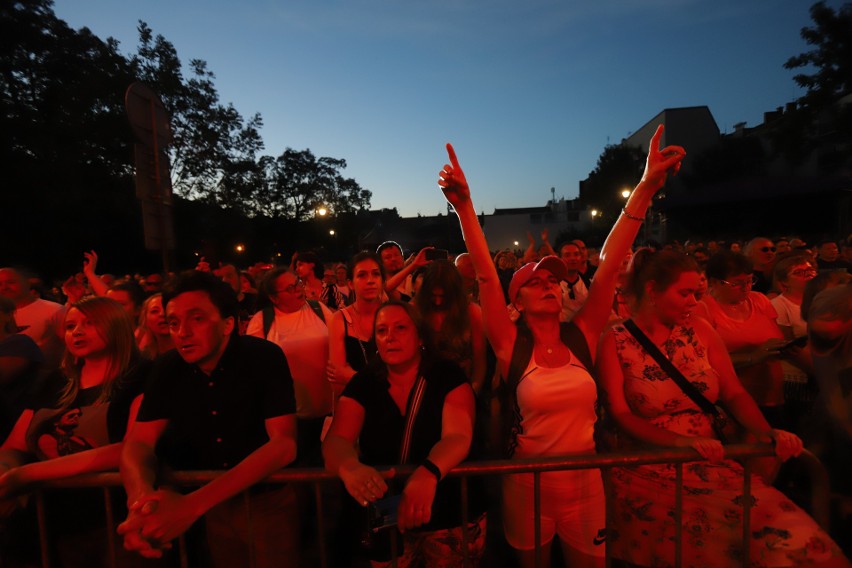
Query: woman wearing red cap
(554,393)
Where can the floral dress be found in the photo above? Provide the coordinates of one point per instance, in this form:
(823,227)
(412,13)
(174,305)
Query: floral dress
(643,527)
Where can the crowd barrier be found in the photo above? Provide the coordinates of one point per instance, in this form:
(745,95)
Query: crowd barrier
(818,480)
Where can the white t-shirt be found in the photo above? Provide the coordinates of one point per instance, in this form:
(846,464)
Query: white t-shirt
(304,339)
(790,315)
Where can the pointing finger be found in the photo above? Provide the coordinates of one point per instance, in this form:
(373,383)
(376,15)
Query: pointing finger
(655,139)
(452,153)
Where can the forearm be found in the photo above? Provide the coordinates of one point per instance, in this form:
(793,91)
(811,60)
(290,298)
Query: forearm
(91,461)
(257,466)
(596,310)
(625,229)
(745,411)
(97,285)
(398,279)
(449,452)
(138,467)
(10,458)
(338,452)
(642,430)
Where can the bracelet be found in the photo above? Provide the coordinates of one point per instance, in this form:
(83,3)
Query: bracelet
(629,216)
(430,466)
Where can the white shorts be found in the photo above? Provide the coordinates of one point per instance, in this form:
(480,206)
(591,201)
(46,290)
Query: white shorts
(573,505)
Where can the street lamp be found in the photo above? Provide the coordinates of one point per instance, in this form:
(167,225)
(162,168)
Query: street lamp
(595,213)
(239,248)
(331,232)
(625,193)
(322,211)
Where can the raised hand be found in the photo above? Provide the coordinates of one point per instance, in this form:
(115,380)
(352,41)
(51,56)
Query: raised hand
(90,262)
(452,180)
(661,163)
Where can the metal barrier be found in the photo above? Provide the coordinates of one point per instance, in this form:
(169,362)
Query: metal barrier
(605,462)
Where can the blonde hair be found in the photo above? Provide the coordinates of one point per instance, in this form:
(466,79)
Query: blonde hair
(145,340)
(115,327)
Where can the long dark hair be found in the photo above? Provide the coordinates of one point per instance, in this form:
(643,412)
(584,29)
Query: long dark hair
(444,275)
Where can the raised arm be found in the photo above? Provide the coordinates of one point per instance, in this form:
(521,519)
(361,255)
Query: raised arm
(90,264)
(395,281)
(499,328)
(593,316)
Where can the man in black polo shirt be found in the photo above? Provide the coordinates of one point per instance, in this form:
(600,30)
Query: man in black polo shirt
(218,401)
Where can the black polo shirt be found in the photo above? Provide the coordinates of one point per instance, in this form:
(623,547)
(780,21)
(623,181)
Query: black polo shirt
(216,421)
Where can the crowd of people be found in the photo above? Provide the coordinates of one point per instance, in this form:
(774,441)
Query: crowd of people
(429,362)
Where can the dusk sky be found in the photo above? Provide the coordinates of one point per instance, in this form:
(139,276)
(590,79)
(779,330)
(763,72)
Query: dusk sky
(529,92)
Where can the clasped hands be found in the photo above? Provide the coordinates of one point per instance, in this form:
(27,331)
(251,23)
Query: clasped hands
(155,520)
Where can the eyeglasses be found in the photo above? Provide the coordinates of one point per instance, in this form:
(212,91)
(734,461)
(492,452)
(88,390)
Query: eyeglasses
(804,272)
(292,287)
(742,284)
(767,249)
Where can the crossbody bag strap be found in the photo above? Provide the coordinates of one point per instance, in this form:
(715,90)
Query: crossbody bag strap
(417,392)
(687,387)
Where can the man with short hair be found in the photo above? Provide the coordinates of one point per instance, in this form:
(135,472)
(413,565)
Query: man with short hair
(574,287)
(828,256)
(390,252)
(37,318)
(471,285)
(587,269)
(219,401)
(761,251)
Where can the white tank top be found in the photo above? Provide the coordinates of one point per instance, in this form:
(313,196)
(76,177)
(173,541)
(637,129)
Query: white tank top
(557,410)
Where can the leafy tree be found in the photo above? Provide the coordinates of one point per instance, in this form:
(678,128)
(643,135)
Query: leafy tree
(831,57)
(212,141)
(619,166)
(301,183)
(822,122)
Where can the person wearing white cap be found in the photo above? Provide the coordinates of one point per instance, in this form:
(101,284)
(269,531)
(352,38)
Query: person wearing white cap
(555,393)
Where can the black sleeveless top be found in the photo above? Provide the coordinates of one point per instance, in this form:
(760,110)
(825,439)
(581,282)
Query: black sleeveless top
(358,353)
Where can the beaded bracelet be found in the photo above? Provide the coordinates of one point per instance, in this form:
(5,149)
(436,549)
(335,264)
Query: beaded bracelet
(629,216)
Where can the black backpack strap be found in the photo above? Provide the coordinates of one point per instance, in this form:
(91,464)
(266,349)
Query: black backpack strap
(268,317)
(572,336)
(315,306)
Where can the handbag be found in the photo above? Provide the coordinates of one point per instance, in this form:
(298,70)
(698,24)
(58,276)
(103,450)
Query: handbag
(725,428)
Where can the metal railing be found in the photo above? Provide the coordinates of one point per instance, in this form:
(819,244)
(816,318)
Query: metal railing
(745,453)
